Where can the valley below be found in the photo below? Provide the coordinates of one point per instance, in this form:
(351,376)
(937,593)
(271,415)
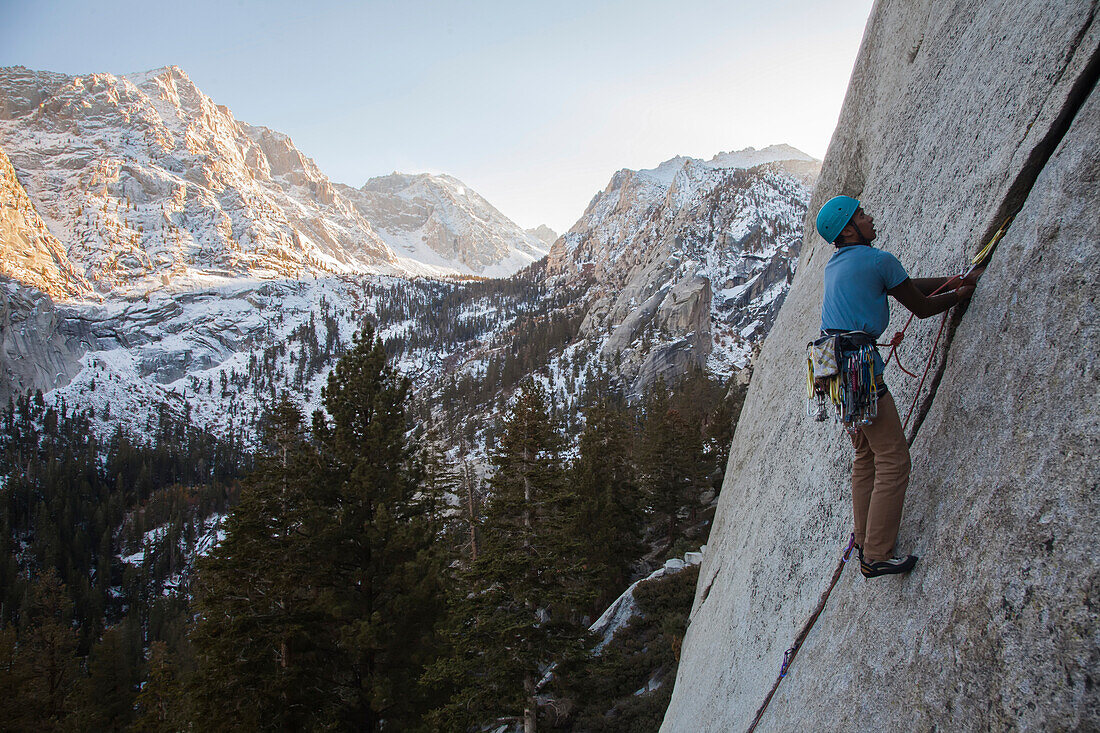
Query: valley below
(180,289)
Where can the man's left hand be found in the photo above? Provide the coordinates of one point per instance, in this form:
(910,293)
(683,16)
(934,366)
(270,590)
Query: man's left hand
(971,278)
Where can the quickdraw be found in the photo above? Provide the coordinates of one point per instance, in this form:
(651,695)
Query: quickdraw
(851,390)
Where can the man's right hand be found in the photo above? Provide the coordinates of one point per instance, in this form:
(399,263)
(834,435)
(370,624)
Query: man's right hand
(964,292)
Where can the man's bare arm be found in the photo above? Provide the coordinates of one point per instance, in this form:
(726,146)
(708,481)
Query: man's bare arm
(929,285)
(924,306)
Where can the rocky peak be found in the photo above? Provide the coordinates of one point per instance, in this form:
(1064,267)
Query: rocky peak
(440,220)
(145,181)
(544,234)
(690,259)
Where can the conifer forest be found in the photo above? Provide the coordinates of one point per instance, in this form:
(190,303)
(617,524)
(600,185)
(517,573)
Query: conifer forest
(346,573)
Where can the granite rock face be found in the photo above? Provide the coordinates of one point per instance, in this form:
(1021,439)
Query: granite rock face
(957,114)
(28,252)
(37,350)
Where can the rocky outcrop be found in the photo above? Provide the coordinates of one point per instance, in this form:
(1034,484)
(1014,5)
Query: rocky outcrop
(36,351)
(956,115)
(28,252)
(544,234)
(686,264)
(677,318)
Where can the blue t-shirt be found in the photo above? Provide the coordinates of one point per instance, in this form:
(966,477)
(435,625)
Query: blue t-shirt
(856,280)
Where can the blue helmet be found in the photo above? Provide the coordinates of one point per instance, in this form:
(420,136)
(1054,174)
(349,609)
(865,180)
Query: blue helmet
(835,215)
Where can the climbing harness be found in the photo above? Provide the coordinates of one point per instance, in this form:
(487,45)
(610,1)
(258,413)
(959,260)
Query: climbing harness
(840,370)
(789,655)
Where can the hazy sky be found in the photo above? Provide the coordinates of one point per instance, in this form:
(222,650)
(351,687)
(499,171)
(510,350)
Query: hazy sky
(533,104)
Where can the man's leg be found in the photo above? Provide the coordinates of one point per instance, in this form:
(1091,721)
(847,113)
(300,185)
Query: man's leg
(863,483)
(891,478)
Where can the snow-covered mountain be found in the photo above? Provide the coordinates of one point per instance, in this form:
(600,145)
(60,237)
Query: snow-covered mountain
(688,261)
(146,182)
(438,220)
(230,270)
(544,234)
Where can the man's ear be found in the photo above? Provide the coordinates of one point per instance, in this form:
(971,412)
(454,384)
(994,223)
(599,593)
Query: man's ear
(849,230)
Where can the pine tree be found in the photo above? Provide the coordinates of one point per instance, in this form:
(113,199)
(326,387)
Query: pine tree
(257,654)
(606,512)
(670,460)
(39,673)
(471,496)
(441,479)
(107,695)
(158,706)
(377,558)
(514,615)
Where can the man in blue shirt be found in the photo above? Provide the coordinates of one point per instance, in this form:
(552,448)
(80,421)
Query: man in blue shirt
(858,278)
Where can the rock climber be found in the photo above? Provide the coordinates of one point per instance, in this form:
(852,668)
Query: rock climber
(858,278)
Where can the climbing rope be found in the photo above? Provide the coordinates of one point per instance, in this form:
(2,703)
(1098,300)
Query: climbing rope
(789,655)
(983,256)
(896,341)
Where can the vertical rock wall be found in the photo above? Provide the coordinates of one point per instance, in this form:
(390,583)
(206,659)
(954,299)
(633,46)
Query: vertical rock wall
(37,349)
(957,113)
(34,269)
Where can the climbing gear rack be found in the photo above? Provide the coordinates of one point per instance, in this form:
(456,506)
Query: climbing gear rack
(840,371)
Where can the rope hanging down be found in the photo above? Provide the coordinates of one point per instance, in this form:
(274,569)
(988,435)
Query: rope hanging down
(789,655)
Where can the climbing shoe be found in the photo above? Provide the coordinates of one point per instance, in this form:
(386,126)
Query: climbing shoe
(893,566)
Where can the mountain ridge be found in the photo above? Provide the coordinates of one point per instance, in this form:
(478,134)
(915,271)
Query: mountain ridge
(437,219)
(147,181)
(688,273)
(682,254)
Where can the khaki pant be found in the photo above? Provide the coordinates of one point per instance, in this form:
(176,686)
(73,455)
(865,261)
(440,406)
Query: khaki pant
(880,476)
